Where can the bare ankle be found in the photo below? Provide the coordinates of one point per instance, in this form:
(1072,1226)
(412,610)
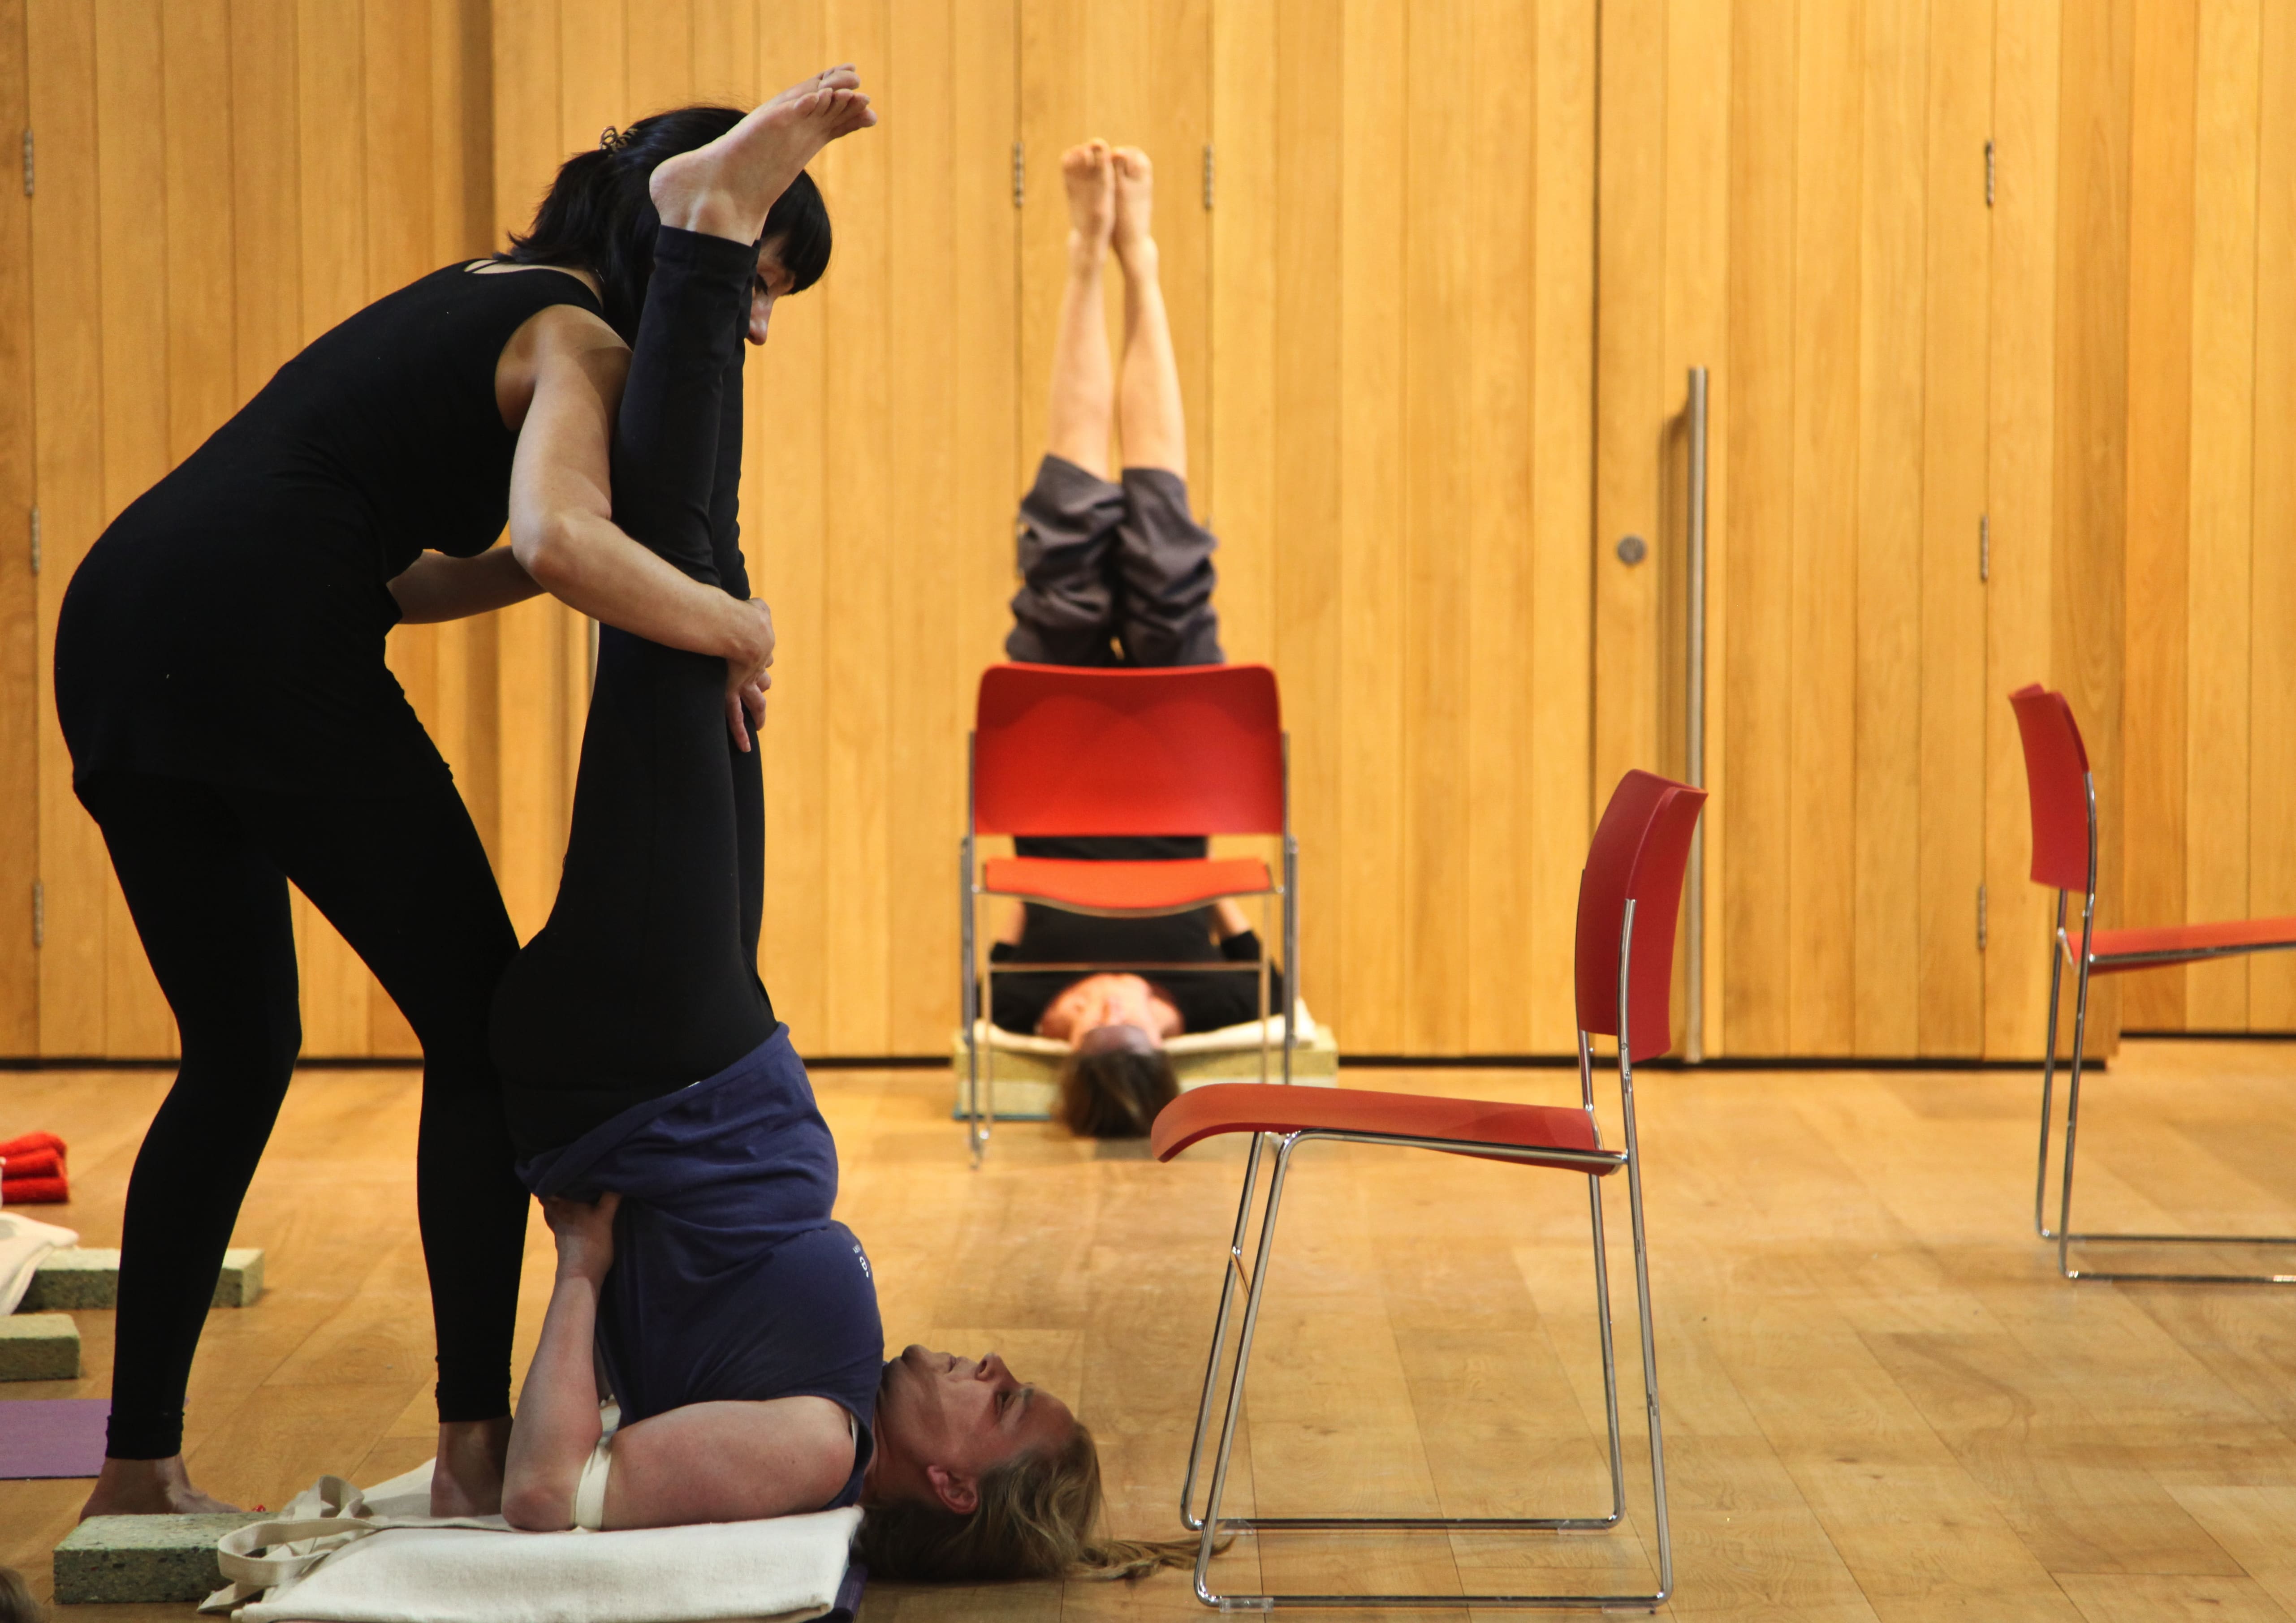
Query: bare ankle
(1087,255)
(1138,257)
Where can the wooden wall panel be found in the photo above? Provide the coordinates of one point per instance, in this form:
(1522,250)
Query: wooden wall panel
(19,684)
(2272,679)
(1388,343)
(2208,591)
(2020,440)
(67,451)
(218,184)
(1953,700)
(2160,335)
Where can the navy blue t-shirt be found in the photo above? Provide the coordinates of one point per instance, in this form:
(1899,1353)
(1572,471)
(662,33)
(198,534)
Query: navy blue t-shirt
(730,1281)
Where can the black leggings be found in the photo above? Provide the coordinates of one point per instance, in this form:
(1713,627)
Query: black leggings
(645,979)
(405,879)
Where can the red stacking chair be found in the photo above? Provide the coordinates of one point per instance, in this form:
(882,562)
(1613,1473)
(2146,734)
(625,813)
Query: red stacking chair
(2063,797)
(1628,896)
(1188,749)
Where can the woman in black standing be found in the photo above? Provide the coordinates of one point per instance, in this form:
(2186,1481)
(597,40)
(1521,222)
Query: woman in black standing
(221,684)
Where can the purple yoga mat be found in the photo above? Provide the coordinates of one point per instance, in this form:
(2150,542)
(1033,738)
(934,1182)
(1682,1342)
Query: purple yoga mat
(51,1436)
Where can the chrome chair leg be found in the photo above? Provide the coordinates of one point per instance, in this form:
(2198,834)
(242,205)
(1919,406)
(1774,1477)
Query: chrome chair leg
(1609,1355)
(1253,1296)
(2067,1236)
(2049,1075)
(1212,1524)
(1228,1277)
(1642,1308)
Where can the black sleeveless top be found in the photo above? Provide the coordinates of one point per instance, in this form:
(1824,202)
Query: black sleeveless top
(229,625)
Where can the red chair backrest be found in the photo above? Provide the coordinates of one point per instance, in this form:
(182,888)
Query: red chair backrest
(1639,851)
(1189,750)
(2055,764)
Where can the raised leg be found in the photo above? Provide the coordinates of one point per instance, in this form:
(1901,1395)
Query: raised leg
(1151,422)
(725,189)
(1075,428)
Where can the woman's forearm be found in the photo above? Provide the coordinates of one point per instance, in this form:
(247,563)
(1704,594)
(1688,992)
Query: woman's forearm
(436,587)
(557,1424)
(588,564)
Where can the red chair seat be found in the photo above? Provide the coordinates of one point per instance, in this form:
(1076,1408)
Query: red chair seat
(1126,887)
(1254,1107)
(2153,946)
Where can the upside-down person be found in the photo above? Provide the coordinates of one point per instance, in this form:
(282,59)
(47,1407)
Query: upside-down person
(1117,573)
(659,1109)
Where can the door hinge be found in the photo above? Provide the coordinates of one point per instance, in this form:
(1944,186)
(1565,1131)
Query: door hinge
(27,163)
(40,914)
(1988,174)
(1985,547)
(1208,174)
(1020,174)
(36,540)
(1980,918)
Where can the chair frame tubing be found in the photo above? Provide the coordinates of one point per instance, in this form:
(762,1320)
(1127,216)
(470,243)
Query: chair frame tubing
(1210,1524)
(2062,952)
(974,985)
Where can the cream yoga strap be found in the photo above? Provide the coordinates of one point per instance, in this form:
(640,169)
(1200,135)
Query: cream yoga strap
(590,1492)
(331,1515)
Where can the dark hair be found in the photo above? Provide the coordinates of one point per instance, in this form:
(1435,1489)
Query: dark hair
(1114,1090)
(16,1602)
(1037,1518)
(599,216)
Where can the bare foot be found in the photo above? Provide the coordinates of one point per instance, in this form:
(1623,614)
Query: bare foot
(725,187)
(1090,179)
(468,1478)
(1136,196)
(149,1488)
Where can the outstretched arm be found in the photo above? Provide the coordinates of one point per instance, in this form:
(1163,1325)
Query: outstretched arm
(561,526)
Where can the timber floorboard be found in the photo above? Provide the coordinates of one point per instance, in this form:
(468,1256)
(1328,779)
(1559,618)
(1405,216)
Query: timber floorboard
(1880,1401)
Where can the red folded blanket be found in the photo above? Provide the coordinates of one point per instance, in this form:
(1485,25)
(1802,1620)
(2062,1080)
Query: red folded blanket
(34,1173)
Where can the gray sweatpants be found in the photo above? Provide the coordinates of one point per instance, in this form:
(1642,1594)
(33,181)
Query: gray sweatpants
(1112,573)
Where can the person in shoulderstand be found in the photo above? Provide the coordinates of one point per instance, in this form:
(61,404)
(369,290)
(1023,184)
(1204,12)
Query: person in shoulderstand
(659,1108)
(1116,574)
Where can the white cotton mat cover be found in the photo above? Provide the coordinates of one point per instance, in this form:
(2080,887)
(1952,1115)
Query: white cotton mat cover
(24,1246)
(477,1570)
(1226,1039)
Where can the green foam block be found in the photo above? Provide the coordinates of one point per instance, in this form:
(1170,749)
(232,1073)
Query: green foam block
(82,1277)
(39,1346)
(143,1558)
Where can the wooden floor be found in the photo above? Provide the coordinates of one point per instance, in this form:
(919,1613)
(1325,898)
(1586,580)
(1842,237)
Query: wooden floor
(1880,1400)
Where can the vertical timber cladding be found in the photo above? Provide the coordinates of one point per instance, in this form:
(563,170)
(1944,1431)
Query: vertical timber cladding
(215,188)
(1898,359)
(19,684)
(2212,325)
(1401,441)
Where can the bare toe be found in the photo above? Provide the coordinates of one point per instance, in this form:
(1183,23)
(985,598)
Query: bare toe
(1087,174)
(1134,184)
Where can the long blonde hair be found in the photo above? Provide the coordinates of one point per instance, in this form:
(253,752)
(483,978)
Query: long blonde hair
(1038,1517)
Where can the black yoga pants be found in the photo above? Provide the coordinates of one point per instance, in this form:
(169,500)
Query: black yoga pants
(646,979)
(405,880)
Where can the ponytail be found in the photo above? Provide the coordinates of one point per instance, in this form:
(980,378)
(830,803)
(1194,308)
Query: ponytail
(599,215)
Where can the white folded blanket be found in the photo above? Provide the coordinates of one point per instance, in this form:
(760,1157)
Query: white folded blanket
(1224,1040)
(24,1246)
(388,1562)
